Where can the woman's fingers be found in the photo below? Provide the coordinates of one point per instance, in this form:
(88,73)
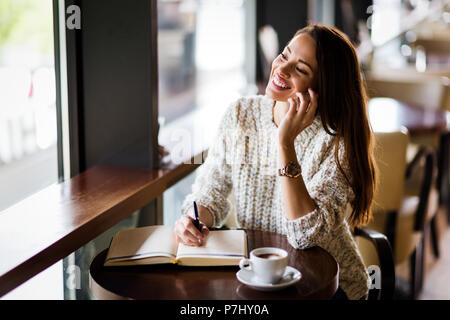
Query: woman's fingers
(292,107)
(179,229)
(304,102)
(308,105)
(186,242)
(314,102)
(205,230)
(312,107)
(188,233)
(189,224)
(183,238)
(191,231)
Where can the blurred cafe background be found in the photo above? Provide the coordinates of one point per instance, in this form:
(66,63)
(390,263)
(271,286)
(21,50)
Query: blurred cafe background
(211,52)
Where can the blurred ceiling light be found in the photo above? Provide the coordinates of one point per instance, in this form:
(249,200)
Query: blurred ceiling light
(188,6)
(406,50)
(446,17)
(378,109)
(225,3)
(421,59)
(268,39)
(410,36)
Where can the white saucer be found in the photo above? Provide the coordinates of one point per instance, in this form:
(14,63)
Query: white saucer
(291,276)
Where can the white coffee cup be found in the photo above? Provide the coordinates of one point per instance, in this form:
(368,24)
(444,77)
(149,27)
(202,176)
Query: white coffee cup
(268,264)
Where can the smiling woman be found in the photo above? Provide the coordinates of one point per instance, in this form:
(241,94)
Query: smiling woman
(310,148)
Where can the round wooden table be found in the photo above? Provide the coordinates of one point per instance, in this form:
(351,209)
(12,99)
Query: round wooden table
(320,277)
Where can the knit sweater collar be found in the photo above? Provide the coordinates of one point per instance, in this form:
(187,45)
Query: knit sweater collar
(267,113)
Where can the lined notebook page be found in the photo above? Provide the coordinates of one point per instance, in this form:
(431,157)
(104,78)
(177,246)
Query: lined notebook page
(143,242)
(218,243)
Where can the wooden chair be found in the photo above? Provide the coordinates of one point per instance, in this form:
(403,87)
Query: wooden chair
(377,255)
(421,90)
(400,216)
(418,173)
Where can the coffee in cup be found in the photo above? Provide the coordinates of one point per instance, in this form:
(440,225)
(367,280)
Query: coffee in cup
(269,256)
(268,264)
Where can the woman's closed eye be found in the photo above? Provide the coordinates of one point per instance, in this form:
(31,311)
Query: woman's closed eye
(301,71)
(283,56)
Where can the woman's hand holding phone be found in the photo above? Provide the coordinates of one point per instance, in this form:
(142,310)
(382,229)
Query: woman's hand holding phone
(301,113)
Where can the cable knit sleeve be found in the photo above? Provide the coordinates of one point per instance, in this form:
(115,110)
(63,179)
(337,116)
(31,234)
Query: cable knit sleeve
(330,191)
(213,183)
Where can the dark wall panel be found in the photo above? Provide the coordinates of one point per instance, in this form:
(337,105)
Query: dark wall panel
(286,17)
(113,97)
(116,117)
(347,14)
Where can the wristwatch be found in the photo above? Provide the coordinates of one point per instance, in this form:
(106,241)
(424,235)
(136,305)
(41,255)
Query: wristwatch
(291,170)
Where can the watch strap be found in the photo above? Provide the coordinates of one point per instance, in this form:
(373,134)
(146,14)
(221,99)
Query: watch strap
(291,170)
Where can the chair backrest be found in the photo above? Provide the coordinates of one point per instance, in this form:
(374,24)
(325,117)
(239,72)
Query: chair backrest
(390,156)
(431,92)
(377,256)
(370,258)
(368,251)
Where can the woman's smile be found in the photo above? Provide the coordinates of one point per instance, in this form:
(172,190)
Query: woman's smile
(279,83)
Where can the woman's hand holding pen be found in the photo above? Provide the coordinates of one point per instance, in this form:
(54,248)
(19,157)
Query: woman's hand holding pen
(300,115)
(187,233)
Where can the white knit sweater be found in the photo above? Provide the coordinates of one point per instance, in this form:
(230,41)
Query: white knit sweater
(243,157)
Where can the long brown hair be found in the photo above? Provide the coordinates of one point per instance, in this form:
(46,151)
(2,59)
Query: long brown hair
(343,111)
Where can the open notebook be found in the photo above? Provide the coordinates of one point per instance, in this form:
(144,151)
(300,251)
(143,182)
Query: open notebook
(157,244)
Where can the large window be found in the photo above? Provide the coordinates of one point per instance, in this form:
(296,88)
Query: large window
(28,156)
(202,64)
(28,153)
(201,47)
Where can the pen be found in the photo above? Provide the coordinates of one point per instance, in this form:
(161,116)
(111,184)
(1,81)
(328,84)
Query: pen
(196,221)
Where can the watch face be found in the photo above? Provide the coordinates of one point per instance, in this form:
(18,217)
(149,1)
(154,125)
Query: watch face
(293,169)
